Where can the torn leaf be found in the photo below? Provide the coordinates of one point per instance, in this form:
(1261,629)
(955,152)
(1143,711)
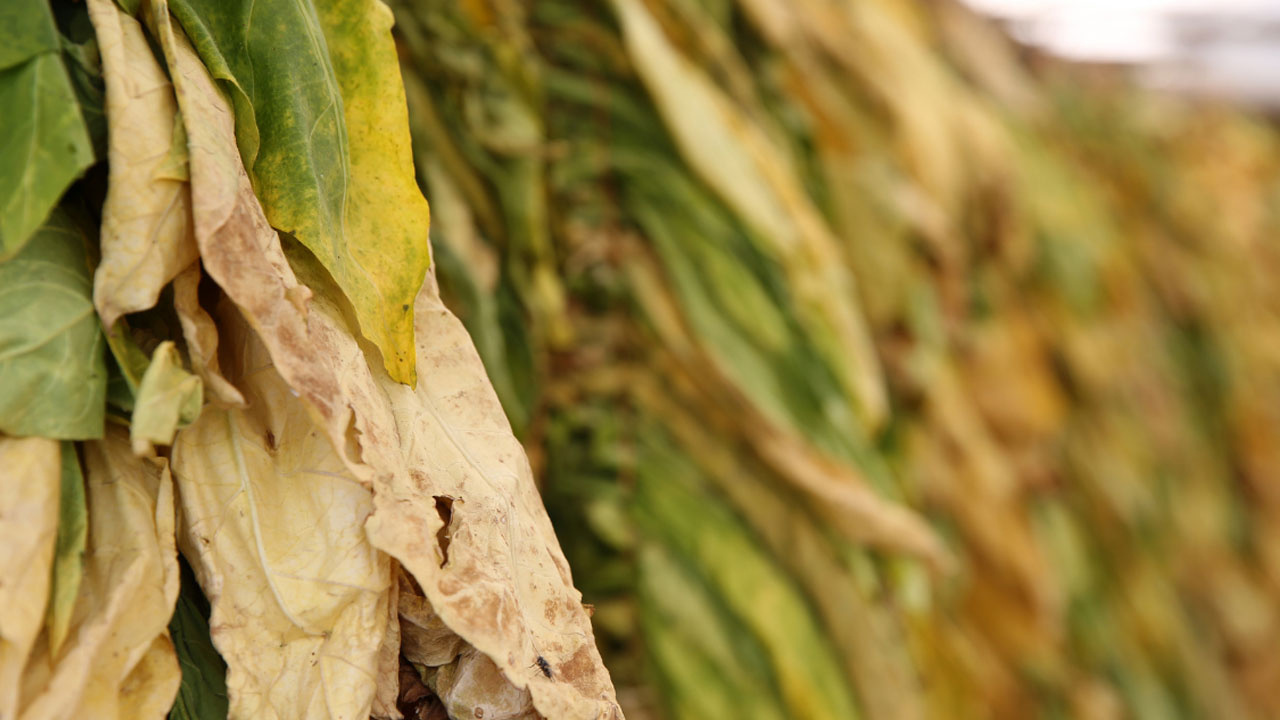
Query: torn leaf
(505,588)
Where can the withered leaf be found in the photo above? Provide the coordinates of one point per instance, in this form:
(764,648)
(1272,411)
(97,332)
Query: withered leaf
(273,525)
(504,585)
(29,470)
(117,662)
(146,217)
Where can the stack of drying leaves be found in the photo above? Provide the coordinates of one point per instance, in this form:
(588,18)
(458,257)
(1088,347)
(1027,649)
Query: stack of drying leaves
(867,372)
(216,338)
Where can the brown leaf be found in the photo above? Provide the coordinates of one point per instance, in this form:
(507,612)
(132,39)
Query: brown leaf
(273,524)
(503,585)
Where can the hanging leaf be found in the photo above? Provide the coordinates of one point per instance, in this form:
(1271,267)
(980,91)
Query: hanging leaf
(117,660)
(238,248)
(45,144)
(456,505)
(274,528)
(51,345)
(146,236)
(327,145)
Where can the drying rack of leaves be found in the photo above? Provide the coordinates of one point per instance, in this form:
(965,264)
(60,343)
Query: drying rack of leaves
(220,341)
(869,369)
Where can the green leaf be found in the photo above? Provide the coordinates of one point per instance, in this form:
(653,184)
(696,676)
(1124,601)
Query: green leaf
(203,694)
(51,344)
(68,558)
(168,398)
(44,145)
(323,130)
(129,366)
(27,28)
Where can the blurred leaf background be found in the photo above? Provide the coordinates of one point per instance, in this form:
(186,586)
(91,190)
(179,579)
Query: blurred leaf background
(871,366)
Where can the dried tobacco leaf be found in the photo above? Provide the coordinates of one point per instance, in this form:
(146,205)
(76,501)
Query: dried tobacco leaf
(51,345)
(273,524)
(146,236)
(322,128)
(444,458)
(117,661)
(45,144)
(29,470)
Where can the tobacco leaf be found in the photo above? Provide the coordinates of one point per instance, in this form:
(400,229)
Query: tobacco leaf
(169,398)
(117,660)
(737,160)
(273,525)
(422,445)
(68,559)
(146,235)
(45,144)
(672,507)
(323,131)
(29,470)
(455,504)
(238,248)
(51,354)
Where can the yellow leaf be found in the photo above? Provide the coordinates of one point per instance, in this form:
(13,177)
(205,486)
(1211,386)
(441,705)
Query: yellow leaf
(169,397)
(117,662)
(146,218)
(273,524)
(30,470)
(386,219)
